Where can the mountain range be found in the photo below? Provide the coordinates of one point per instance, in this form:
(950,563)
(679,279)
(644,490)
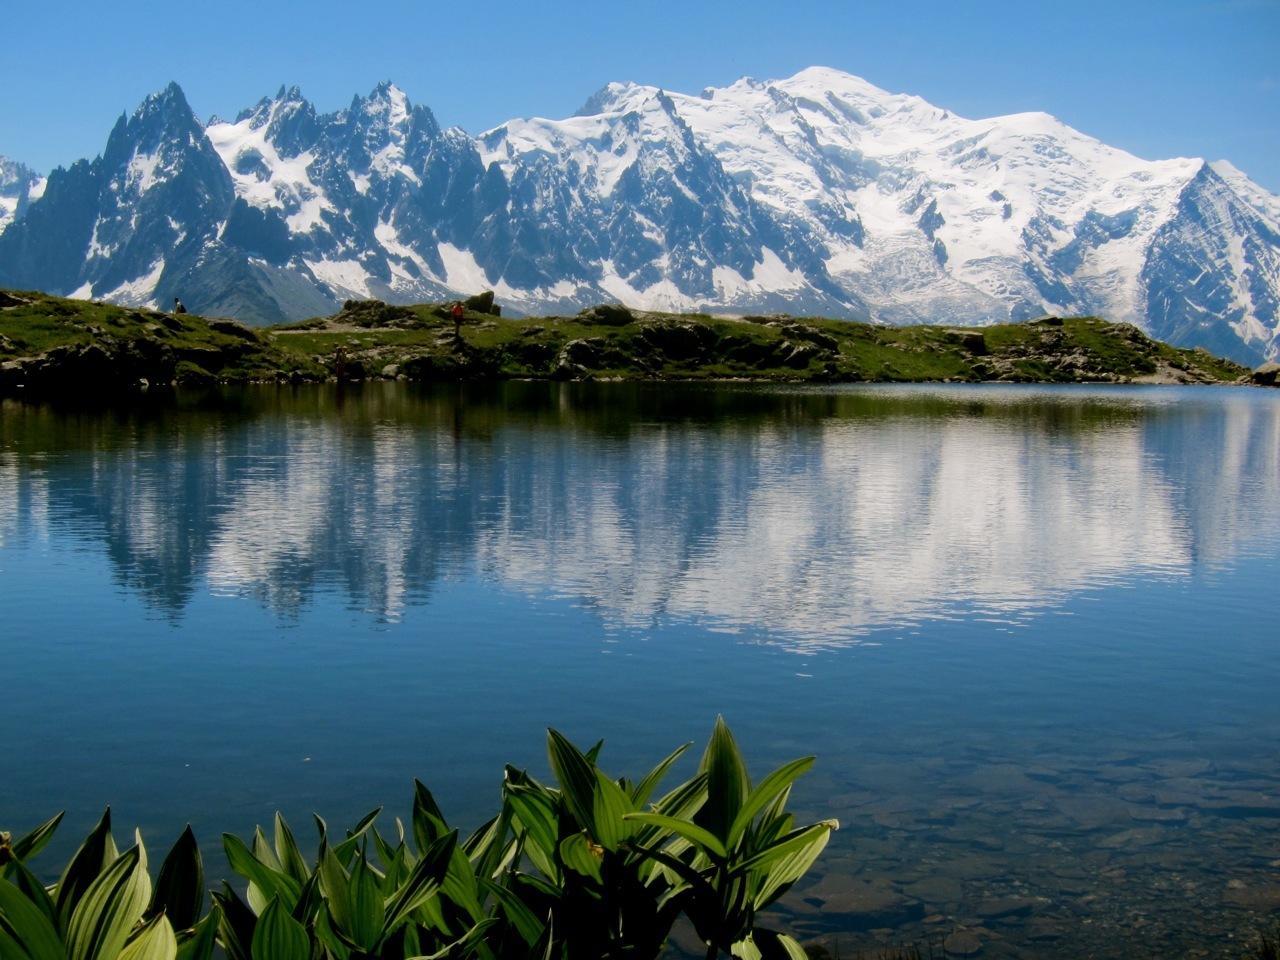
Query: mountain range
(820,194)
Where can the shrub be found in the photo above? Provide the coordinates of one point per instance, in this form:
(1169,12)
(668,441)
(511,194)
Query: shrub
(592,868)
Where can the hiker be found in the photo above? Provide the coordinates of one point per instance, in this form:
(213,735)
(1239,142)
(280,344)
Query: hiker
(457,318)
(178,307)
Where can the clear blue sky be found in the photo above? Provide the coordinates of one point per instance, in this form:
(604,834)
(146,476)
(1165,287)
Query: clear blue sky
(1160,78)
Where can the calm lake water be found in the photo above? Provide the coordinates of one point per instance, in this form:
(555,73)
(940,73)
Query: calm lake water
(1030,633)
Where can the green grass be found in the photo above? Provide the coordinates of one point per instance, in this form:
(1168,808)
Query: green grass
(610,343)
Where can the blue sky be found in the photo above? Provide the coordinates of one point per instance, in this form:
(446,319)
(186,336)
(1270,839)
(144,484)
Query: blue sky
(1160,79)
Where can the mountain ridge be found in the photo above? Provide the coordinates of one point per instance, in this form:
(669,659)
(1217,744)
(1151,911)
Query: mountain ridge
(818,194)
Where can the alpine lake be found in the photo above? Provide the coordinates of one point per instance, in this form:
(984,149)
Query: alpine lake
(1029,632)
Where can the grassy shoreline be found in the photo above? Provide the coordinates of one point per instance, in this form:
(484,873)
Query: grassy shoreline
(51,344)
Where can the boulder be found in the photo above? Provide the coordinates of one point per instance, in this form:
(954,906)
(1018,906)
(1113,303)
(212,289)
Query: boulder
(1267,375)
(971,340)
(104,366)
(679,342)
(233,328)
(802,331)
(374,313)
(608,315)
(532,353)
(797,356)
(482,303)
(577,357)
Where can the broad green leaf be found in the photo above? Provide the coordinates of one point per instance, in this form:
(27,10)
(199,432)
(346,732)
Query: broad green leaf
(517,911)
(291,859)
(102,920)
(583,855)
(28,927)
(31,887)
(459,885)
(26,847)
(386,853)
(765,791)
(368,910)
(394,861)
(746,949)
(727,782)
(463,945)
(682,803)
(577,780)
(264,853)
(485,848)
(430,914)
(428,822)
(328,936)
(423,798)
(686,874)
(426,878)
(270,883)
(640,795)
(800,840)
(547,948)
(179,891)
(690,831)
(201,944)
(334,884)
(155,940)
(347,847)
(309,900)
(776,811)
(278,936)
(611,804)
(506,860)
(535,811)
(236,923)
(96,853)
(769,945)
(685,800)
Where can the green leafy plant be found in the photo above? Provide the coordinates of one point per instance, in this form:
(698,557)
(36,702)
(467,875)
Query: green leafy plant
(739,852)
(104,906)
(591,868)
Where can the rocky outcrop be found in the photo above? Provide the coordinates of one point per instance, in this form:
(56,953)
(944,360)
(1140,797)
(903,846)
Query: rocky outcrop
(108,365)
(1267,375)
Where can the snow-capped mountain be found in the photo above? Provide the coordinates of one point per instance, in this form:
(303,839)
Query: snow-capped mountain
(19,185)
(816,194)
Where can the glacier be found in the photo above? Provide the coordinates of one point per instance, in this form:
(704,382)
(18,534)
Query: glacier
(816,194)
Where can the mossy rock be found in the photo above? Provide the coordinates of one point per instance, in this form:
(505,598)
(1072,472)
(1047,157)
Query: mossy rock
(607,315)
(680,342)
(374,313)
(190,374)
(482,303)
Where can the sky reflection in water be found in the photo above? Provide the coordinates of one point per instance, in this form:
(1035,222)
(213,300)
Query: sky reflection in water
(303,600)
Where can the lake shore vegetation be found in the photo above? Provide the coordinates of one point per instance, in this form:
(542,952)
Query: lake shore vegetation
(54,345)
(589,869)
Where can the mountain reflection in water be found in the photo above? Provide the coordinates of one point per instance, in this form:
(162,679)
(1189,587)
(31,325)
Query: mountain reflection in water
(1025,630)
(816,516)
